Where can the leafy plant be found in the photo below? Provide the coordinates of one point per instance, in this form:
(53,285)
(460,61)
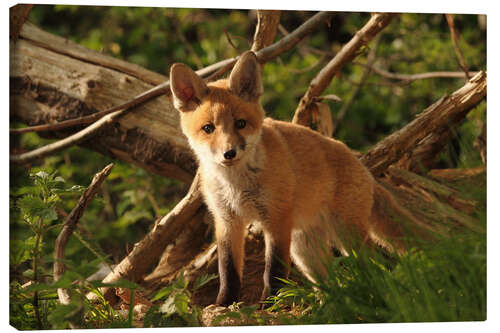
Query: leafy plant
(176,309)
(37,204)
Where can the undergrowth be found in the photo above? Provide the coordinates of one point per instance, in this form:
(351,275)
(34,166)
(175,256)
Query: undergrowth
(440,281)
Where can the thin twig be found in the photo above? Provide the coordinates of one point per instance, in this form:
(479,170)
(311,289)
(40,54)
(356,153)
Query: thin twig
(348,52)
(68,141)
(454,38)
(230,41)
(413,77)
(70,225)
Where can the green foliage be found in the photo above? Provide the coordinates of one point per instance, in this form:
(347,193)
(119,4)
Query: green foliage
(441,282)
(244,315)
(35,306)
(362,288)
(176,309)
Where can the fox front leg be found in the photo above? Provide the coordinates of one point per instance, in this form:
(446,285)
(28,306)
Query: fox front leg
(277,259)
(230,245)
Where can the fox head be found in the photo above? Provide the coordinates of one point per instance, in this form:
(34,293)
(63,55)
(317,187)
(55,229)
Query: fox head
(222,120)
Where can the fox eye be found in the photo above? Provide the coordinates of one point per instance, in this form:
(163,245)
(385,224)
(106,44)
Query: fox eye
(240,123)
(208,128)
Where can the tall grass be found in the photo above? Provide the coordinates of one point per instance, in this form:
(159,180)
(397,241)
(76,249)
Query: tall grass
(441,281)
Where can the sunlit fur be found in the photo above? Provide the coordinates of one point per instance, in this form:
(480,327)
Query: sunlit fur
(305,189)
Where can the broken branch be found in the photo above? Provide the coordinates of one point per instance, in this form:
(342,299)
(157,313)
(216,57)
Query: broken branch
(70,225)
(348,52)
(267,24)
(148,250)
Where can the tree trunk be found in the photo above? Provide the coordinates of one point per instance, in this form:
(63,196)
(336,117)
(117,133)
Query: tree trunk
(53,79)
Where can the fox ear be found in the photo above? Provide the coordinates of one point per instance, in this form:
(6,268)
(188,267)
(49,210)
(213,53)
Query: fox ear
(188,89)
(245,80)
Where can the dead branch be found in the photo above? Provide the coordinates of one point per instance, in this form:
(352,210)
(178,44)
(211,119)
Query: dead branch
(18,15)
(70,225)
(454,38)
(433,120)
(442,192)
(424,155)
(436,203)
(348,52)
(229,40)
(142,98)
(454,175)
(68,141)
(407,78)
(148,250)
(54,43)
(267,24)
(290,40)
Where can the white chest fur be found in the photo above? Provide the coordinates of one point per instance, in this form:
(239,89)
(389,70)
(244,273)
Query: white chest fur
(235,192)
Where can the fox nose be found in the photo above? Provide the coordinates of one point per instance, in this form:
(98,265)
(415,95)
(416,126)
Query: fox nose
(230,154)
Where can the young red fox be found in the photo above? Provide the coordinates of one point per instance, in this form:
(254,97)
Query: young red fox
(301,186)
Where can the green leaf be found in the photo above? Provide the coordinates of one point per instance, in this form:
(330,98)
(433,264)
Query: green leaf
(65,281)
(40,174)
(86,269)
(182,303)
(34,206)
(18,252)
(48,214)
(61,315)
(247,311)
(59,179)
(30,204)
(203,280)
(162,293)
(153,317)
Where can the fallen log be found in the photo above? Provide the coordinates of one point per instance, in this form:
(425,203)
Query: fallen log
(49,84)
(433,121)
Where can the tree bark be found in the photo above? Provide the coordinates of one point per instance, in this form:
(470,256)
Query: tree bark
(188,213)
(18,15)
(267,24)
(53,79)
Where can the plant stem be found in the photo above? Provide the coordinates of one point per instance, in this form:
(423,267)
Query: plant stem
(35,278)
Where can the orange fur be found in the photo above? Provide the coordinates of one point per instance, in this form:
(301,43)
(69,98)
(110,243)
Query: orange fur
(305,189)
